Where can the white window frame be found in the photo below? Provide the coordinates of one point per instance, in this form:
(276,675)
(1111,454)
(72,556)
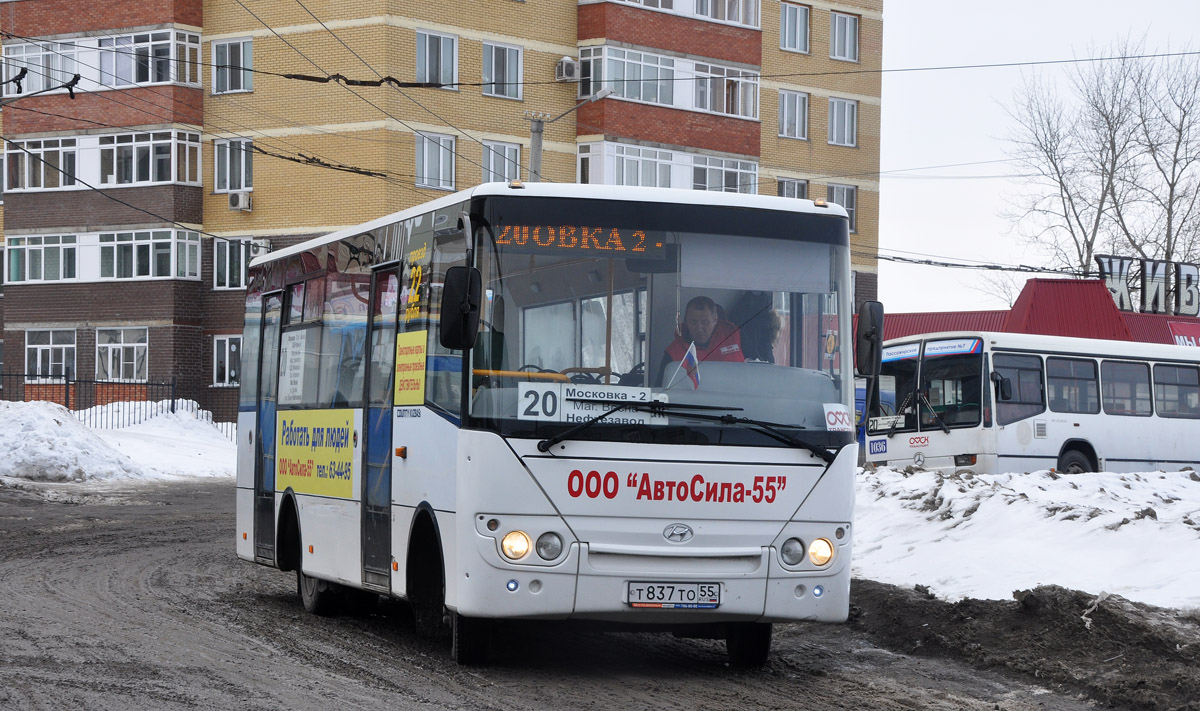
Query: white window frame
(744,174)
(726,91)
(187,58)
(793,114)
(27,259)
(795,27)
(33,165)
(58,355)
(223,347)
(501,162)
(50,64)
(636,76)
(638,166)
(231,255)
(441,148)
(140,59)
(734,12)
(427,63)
(843,36)
(508,86)
(792,188)
(242,76)
(847,197)
(225,157)
(134,158)
(583,162)
(137,255)
(130,355)
(843,122)
(148,58)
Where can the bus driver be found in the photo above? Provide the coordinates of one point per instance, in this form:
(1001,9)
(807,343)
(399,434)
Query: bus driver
(715,338)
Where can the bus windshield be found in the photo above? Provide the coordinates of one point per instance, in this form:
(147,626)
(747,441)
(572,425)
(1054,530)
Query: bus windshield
(949,392)
(709,310)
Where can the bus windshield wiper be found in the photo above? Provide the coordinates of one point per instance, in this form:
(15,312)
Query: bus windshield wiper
(925,400)
(654,407)
(771,429)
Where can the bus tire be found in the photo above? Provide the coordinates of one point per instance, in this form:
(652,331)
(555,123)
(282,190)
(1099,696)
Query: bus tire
(748,643)
(470,639)
(320,597)
(1073,461)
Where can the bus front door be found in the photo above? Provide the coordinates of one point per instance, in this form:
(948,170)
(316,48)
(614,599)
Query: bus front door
(264,460)
(377,484)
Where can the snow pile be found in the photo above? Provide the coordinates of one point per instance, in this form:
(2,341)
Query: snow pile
(984,536)
(43,441)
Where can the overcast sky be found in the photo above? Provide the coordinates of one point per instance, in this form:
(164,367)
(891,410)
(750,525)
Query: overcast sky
(958,116)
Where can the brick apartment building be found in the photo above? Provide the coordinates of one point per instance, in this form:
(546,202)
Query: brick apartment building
(130,210)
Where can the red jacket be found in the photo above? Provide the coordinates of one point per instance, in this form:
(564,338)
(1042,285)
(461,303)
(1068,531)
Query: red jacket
(725,345)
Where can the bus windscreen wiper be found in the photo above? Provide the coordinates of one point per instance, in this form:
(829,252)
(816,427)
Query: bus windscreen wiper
(654,407)
(922,398)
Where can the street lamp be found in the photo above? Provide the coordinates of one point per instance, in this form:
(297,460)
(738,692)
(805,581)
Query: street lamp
(538,121)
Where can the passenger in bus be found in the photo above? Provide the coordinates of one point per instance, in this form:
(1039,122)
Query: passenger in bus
(715,338)
(758,325)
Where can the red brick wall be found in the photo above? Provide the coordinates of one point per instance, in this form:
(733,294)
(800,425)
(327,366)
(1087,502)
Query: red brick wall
(125,107)
(647,28)
(676,127)
(36,18)
(89,210)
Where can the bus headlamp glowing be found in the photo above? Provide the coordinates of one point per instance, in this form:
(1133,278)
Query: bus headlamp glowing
(515,544)
(792,551)
(549,545)
(820,551)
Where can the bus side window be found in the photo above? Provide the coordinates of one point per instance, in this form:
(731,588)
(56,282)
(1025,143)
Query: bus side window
(443,367)
(1028,397)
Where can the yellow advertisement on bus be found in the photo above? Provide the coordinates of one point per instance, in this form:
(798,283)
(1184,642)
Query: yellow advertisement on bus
(315,452)
(410,367)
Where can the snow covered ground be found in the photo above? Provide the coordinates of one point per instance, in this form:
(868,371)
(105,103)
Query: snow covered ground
(983,536)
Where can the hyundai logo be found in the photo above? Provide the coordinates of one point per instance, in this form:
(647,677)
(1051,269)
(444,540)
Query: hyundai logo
(678,533)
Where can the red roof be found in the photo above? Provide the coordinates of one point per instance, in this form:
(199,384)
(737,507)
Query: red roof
(901,325)
(1081,308)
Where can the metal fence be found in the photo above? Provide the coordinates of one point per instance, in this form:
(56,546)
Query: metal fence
(107,404)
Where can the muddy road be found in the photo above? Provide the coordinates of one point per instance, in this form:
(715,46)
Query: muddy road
(131,597)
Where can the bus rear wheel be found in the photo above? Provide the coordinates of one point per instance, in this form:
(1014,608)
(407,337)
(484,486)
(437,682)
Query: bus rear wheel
(748,643)
(470,639)
(1073,461)
(320,597)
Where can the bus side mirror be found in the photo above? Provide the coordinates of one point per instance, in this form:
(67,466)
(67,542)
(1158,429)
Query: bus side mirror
(462,290)
(868,339)
(1003,386)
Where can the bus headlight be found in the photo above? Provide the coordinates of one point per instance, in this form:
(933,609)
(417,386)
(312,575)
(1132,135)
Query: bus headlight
(820,551)
(549,545)
(792,551)
(515,544)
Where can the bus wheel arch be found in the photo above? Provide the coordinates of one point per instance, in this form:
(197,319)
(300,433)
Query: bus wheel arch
(425,578)
(287,534)
(1077,456)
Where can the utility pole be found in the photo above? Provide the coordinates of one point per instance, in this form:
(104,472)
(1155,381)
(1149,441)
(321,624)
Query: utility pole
(537,126)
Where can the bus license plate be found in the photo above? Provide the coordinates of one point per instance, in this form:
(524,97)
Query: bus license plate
(679,596)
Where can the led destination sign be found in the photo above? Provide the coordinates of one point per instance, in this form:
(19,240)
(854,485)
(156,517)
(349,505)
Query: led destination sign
(607,241)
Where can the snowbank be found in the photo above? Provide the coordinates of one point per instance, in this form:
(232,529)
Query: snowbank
(984,536)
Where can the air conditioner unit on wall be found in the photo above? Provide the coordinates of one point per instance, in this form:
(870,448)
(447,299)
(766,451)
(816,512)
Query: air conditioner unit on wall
(567,69)
(240,201)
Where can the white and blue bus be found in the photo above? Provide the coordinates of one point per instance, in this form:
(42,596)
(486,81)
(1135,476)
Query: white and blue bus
(1013,402)
(467,405)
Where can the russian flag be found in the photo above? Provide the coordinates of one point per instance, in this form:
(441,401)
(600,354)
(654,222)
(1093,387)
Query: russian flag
(691,364)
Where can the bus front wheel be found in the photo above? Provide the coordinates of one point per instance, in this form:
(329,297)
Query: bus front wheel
(470,637)
(1073,461)
(748,643)
(320,597)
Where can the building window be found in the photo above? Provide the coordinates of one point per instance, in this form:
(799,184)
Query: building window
(187,58)
(42,258)
(234,166)
(637,75)
(591,62)
(742,12)
(726,90)
(136,59)
(231,257)
(435,161)
(847,197)
(187,158)
(49,64)
(793,27)
(793,114)
(661,4)
(501,162)
(146,157)
(645,167)
(843,37)
(437,58)
(41,165)
(227,360)
(584,164)
(233,64)
(50,354)
(121,354)
(792,188)
(501,71)
(724,175)
(843,122)
(149,254)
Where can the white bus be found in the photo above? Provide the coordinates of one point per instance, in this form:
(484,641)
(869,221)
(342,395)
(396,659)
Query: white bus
(467,405)
(1003,402)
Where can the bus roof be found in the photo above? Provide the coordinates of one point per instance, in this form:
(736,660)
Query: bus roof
(1090,347)
(569,190)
